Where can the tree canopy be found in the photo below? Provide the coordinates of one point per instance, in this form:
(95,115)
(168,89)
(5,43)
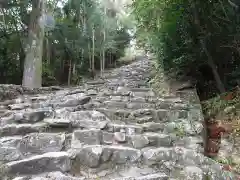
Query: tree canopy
(78,36)
(193,40)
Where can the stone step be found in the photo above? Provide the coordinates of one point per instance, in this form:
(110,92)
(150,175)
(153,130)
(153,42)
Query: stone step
(98,137)
(103,130)
(95,82)
(32,144)
(94,155)
(27,116)
(48,162)
(22,129)
(156,176)
(143,115)
(51,176)
(144,105)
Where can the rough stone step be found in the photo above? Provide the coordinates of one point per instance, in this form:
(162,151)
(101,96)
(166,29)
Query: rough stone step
(48,162)
(143,115)
(156,176)
(141,89)
(144,105)
(27,116)
(98,137)
(96,82)
(32,144)
(22,129)
(51,176)
(94,155)
(80,119)
(132,129)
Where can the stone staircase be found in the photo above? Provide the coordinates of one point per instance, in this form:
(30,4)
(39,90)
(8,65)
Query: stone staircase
(112,129)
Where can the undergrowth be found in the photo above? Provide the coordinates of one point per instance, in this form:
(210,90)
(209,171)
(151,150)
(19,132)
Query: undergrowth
(226,109)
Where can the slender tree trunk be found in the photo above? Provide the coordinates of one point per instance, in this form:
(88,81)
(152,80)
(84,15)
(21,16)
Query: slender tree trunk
(74,69)
(216,75)
(101,63)
(48,49)
(32,76)
(110,57)
(89,56)
(93,50)
(70,72)
(104,39)
(84,29)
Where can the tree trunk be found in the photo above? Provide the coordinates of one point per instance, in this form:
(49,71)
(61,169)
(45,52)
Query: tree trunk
(48,49)
(104,39)
(101,63)
(32,76)
(93,49)
(69,72)
(211,63)
(74,69)
(89,56)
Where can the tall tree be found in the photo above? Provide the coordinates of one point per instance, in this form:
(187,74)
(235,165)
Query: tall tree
(32,76)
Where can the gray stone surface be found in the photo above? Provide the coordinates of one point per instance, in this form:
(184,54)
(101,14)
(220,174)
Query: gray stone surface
(111,128)
(52,161)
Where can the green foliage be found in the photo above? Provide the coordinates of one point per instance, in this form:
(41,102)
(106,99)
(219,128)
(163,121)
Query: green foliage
(173,30)
(69,44)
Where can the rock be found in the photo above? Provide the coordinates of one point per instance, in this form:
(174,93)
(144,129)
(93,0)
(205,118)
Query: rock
(135,171)
(89,156)
(156,176)
(8,154)
(88,115)
(120,136)
(107,138)
(10,141)
(40,143)
(154,156)
(157,139)
(139,141)
(76,91)
(58,122)
(115,104)
(144,119)
(34,116)
(55,176)
(92,155)
(121,155)
(114,113)
(52,161)
(122,90)
(193,173)
(21,129)
(140,112)
(90,124)
(152,126)
(129,129)
(86,137)
(92,92)
(88,119)
(75,102)
(19,106)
